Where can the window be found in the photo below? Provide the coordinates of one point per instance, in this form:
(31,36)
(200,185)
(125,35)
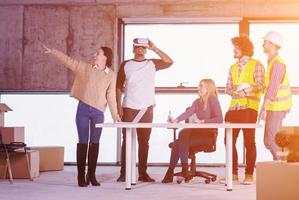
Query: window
(49,120)
(198,50)
(289,51)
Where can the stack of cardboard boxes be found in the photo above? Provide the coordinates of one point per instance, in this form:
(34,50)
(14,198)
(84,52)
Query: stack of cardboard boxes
(18,161)
(40,158)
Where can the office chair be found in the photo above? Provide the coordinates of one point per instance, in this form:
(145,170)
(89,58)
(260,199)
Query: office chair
(11,148)
(209,146)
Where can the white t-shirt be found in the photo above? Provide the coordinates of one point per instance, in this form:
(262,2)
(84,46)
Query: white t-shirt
(138,80)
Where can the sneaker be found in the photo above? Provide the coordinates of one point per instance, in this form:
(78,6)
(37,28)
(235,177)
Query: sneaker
(235,179)
(121,178)
(248,179)
(145,178)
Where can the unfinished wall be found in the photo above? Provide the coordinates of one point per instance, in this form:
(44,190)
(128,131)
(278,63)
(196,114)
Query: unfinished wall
(77,27)
(74,30)
(41,71)
(11,36)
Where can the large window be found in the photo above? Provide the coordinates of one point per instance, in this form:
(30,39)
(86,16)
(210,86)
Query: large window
(289,50)
(198,50)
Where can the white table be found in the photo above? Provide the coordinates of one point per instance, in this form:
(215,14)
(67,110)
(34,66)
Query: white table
(131,143)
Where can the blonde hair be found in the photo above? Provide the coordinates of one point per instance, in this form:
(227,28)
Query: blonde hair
(211,91)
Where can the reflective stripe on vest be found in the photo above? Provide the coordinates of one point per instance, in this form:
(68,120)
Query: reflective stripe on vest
(283,99)
(246,76)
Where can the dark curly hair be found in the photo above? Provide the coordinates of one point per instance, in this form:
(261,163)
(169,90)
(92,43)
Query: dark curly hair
(108,53)
(244,43)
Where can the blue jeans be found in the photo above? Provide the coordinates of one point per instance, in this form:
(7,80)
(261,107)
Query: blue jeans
(86,118)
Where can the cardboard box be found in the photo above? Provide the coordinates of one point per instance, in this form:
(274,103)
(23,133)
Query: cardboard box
(3,108)
(51,158)
(18,163)
(12,134)
(276,181)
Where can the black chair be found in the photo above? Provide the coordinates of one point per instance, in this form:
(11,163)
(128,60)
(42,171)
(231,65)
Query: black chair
(208,146)
(10,149)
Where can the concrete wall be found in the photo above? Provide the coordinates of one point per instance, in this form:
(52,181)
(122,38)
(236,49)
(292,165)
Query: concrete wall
(75,30)
(77,27)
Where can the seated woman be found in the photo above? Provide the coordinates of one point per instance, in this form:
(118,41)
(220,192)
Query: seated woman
(207,110)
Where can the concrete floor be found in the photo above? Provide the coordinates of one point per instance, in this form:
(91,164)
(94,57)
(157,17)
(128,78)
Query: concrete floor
(62,185)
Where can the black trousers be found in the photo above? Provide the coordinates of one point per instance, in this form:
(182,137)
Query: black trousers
(143,136)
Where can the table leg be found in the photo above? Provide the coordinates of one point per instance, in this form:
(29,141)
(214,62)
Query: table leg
(128,158)
(229,160)
(133,164)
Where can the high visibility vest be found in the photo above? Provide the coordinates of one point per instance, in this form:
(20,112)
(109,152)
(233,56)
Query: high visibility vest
(247,76)
(283,99)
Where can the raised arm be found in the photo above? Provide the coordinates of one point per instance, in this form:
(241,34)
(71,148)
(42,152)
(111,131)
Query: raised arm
(69,62)
(165,61)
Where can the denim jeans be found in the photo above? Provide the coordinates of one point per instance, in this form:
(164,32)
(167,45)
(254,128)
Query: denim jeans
(86,118)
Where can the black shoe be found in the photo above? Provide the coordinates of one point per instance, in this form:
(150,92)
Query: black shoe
(121,178)
(168,177)
(145,178)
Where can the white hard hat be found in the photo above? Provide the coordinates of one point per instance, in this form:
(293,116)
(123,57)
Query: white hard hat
(274,37)
(243,86)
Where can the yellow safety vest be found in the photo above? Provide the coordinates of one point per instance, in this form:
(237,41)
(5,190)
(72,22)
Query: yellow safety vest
(283,100)
(246,76)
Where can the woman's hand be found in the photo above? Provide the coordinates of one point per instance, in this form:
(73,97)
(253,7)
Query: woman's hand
(196,120)
(47,50)
(171,120)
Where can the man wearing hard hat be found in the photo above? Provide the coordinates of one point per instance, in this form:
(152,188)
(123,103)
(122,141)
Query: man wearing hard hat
(245,85)
(277,101)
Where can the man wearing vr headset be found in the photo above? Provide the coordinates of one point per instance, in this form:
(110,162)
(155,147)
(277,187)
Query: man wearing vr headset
(136,77)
